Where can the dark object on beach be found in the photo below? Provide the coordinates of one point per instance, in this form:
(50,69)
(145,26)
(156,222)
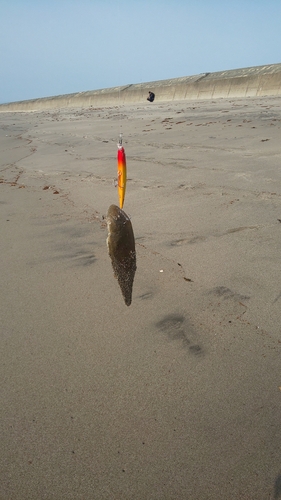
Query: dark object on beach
(151,96)
(121,249)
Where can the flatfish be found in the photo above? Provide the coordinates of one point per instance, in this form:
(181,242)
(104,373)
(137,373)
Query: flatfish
(121,249)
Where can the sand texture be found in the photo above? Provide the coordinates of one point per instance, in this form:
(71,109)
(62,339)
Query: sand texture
(179,395)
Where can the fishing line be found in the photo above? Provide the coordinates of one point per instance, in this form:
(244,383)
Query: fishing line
(119,112)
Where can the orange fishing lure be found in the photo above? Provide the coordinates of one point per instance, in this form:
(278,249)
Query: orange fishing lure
(121,172)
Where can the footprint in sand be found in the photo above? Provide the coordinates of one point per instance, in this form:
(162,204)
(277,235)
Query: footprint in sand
(177,328)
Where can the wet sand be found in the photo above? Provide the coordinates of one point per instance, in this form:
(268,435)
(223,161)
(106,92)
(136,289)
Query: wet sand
(177,396)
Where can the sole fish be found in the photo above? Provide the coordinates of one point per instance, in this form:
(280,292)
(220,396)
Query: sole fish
(121,249)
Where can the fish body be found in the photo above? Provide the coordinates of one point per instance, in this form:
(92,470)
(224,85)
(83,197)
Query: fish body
(121,174)
(121,249)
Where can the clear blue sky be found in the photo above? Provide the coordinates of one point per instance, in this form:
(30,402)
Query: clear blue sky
(51,47)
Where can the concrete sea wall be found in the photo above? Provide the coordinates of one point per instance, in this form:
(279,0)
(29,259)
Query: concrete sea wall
(245,82)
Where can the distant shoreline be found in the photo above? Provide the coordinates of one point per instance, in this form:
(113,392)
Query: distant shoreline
(245,82)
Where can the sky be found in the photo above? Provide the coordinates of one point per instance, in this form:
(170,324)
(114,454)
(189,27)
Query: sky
(54,47)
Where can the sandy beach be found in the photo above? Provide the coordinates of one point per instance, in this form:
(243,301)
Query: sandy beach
(177,396)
